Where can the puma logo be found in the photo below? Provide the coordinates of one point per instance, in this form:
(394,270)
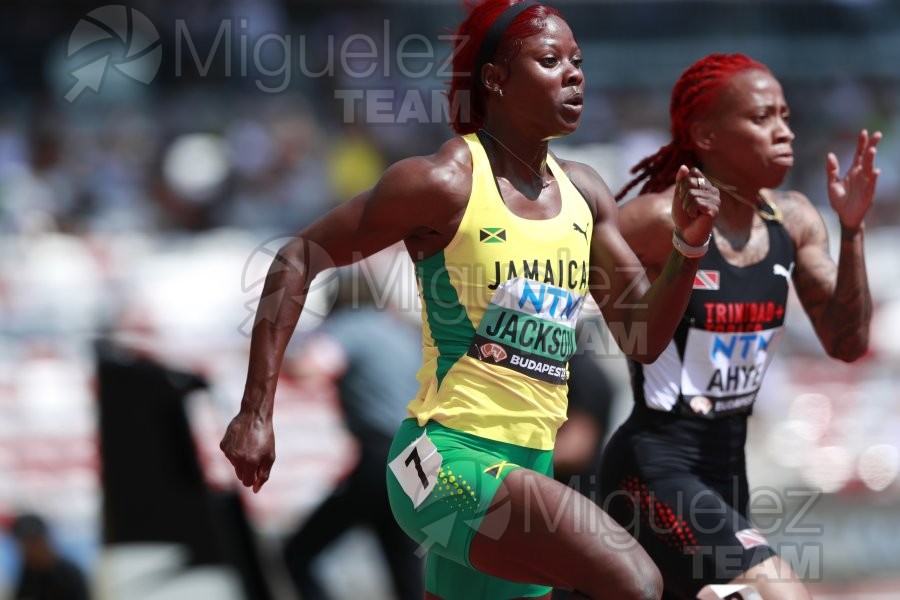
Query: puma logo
(780,270)
(580,230)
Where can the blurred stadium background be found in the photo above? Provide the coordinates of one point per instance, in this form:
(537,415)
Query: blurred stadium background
(152,155)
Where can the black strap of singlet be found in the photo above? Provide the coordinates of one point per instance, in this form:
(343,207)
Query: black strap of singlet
(780,245)
(495,33)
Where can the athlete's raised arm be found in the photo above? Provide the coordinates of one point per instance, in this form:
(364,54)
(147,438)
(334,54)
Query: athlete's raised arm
(643,317)
(836,296)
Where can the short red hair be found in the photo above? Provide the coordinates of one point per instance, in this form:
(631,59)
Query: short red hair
(466,93)
(694,94)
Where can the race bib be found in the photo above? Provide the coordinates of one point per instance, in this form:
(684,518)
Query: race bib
(417,468)
(529,327)
(722,372)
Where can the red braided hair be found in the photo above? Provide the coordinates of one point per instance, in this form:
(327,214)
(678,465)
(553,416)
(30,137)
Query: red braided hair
(466,93)
(694,94)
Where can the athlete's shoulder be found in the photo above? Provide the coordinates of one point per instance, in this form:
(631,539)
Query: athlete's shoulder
(653,209)
(591,185)
(579,170)
(448,169)
(800,217)
(433,187)
(789,201)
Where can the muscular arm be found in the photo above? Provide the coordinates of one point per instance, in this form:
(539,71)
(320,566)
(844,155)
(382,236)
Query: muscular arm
(414,197)
(641,316)
(835,296)
(370,222)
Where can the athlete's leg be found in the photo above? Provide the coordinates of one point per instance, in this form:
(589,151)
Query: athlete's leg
(539,530)
(407,572)
(328,521)
(774,579)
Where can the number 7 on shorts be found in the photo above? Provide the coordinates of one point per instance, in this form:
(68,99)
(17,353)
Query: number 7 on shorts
(416,469)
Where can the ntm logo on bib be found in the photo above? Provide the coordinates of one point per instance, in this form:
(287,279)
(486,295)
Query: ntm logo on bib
(740,345)
(549,301)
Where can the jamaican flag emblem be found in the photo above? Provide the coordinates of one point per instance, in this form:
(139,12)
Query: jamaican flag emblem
(492,235)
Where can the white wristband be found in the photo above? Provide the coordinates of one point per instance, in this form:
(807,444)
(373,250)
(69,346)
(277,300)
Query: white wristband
(686,249)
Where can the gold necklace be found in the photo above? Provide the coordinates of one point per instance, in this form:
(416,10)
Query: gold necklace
(766,209)
(544,182)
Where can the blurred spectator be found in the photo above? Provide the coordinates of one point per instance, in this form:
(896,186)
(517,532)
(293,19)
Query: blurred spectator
(372,355)
(45,573)
(355,163)
(576,457)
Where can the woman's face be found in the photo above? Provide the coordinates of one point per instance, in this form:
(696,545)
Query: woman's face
(750,132)
(545,85)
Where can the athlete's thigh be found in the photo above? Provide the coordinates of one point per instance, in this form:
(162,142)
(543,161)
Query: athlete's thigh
(450,580)
(542,531)
(441,484)
(691,530)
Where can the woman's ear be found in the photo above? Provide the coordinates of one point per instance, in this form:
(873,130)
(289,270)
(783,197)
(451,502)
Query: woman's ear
(491,78)
(703,135)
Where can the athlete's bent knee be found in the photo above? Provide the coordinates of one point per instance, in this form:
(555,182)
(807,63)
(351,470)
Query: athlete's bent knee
(636,579)
(648,579)
(649,585)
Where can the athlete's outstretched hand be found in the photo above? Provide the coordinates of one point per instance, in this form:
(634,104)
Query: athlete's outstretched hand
(249,443)
(852,196)
(695,206)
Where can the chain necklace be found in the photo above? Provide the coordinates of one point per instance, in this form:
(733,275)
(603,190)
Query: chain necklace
(544,182)
(766,209)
